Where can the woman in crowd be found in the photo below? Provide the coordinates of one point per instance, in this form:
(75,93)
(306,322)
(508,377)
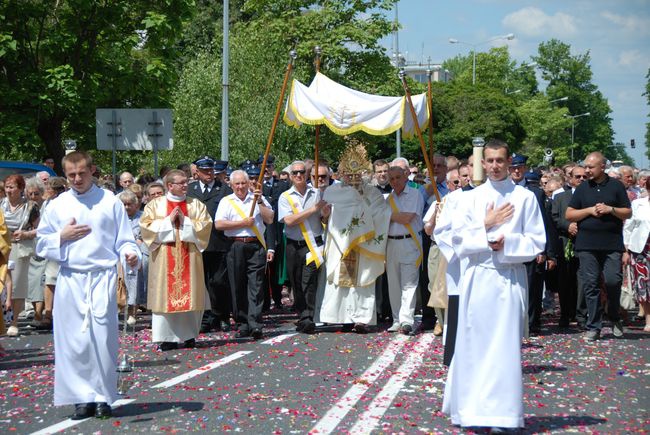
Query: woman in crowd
(35,191)
(636,236)
(21,217)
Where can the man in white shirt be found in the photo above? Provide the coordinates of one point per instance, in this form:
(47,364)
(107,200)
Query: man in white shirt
(87,231)
(248,255)
(404,249)
(299,208)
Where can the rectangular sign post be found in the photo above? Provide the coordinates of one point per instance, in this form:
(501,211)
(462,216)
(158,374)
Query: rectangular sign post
(134,130)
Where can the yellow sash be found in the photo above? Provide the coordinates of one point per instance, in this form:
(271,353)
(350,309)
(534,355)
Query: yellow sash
(393,206)
(314,253)
(243,215)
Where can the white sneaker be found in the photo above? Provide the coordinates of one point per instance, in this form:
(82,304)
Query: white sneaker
(130,321)
(617,329)
(12,331)
(394,327)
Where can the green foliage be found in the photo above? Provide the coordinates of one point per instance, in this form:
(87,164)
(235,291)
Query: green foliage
(59,61)
(546,126)
(570,76)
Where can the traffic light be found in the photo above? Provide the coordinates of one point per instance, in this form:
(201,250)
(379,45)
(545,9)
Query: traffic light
(632,144)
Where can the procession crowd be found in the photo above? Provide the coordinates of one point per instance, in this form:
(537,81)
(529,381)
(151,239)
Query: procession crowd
(205,247)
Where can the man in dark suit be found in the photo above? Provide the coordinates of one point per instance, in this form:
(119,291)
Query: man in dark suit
(548,258)
(572,301)
(209,189)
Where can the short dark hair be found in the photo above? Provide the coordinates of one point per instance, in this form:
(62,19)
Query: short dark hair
(496,144)
(378,162)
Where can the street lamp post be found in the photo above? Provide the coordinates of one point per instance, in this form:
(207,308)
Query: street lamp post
(559,99)
(573,127)
(509,37)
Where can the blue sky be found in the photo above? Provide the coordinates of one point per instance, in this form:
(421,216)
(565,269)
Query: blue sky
(615,32)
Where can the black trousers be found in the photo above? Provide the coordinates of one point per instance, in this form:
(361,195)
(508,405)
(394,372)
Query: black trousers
(452,329)
(568,287)
(215,271)
(272,286)
(428,313)
(246,262)
(592,265)
(382,299)
(535,289)
(304,280)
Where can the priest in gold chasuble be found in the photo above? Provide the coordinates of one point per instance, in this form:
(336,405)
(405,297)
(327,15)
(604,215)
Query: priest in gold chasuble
(176,229)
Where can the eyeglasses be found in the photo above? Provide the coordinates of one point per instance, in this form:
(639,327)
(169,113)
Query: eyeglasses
(456,181)
(299,172)
(414,172)
(583,177)
(320,176)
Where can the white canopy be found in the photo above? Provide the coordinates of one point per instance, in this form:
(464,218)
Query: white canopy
(346,111)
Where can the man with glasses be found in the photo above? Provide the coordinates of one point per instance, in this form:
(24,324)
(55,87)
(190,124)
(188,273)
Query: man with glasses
(300,211)
(599,207)
(453,180)
(176,229)
(323,176)
(209,189)
(572,301)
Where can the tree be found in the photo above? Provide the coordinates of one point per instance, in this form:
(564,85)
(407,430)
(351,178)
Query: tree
(59,61)
(348,33)
(570,76)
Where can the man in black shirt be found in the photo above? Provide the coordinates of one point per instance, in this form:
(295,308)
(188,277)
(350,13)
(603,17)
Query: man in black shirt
(600,206)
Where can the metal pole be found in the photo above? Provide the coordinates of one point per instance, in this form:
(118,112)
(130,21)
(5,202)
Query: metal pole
(573,126)
(114,135)
(474,66)
(317,53)
(224,83)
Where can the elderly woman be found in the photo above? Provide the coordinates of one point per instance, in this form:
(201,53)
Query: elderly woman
(636,236)
(35,191)
(21,217)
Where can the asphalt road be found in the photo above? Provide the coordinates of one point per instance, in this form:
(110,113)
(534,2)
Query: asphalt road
(330,382)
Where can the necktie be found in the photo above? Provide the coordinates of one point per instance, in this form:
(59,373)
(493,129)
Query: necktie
(206,189)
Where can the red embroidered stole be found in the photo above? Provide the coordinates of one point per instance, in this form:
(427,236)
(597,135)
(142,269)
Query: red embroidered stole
(179,293)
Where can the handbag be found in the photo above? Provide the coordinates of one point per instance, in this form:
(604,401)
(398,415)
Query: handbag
(121,287)
(627,293)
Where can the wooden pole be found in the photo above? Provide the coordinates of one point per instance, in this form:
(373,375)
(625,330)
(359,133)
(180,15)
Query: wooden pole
(317,52)
(278,109)
(427,162)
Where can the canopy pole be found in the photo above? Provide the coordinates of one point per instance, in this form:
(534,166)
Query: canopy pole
(278,109)
(317,53)
(430,109)
(407,92)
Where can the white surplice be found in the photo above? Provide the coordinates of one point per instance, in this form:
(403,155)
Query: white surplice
(484,385)
(354,218)
(85,306)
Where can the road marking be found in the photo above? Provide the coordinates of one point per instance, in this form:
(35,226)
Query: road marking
(370,419)
(201,370)
(333,417)
(279,338)
(66,424)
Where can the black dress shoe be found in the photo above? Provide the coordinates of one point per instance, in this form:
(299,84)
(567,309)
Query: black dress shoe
(256,333)
(103,410)
(563,323)
(167,345)
(189,344)
(309,328)
(243,333)
(83,410)
(347,327)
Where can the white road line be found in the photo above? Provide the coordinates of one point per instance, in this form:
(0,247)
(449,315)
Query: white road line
(370,419)
(333,417)
(206,368)
(66,424)
(279,338)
